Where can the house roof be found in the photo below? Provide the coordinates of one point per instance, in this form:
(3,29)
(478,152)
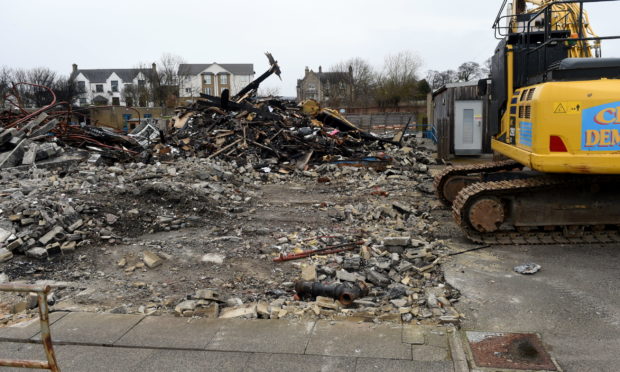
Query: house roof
(233,68)
(100,75)
(334,77)
(454,85)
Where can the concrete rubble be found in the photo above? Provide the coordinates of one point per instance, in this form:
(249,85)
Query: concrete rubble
(205,218)
(48,214)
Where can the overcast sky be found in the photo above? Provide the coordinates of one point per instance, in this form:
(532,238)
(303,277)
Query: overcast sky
(120,34)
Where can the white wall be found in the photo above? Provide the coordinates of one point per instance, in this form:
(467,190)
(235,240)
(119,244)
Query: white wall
(194,82)
(91,88)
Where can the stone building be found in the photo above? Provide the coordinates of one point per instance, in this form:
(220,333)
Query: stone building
(331,88)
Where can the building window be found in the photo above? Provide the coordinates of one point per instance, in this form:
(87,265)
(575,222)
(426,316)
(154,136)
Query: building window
(116,101)
(114,85)
(141,84)
(99,88)
(207,79)
(311,87)
(82,101)
(81,86)
(188,90)
(147,116)
(224,79)
(207,90)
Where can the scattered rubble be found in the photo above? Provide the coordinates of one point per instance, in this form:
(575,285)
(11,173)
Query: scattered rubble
(527,269)
(204,218)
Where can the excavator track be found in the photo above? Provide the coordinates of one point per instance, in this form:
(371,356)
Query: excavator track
(547,234)
(441,178)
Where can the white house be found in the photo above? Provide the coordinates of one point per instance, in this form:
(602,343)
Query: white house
(213,78)
(109,86)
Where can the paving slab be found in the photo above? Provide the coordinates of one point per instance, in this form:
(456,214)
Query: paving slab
(437,337)
(429,353)
(391,365)
(79,358)
(358,340)
(93,328)
(26,330)
(203,361)
(169,332)
(15,350)
(262,336)
(413,334)
(299,363)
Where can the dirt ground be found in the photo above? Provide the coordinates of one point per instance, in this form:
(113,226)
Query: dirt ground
(92,279)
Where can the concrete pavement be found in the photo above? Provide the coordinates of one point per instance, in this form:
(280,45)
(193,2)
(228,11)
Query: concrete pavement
(117,342)
(573,302)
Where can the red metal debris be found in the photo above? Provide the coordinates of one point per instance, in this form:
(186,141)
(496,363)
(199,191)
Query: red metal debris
(328,250)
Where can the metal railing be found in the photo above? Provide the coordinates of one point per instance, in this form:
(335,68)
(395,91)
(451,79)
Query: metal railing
(46,337)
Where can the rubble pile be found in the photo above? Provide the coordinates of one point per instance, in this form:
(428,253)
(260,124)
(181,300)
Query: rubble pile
(49,212)
(227,238)
(46,138)
(393,253)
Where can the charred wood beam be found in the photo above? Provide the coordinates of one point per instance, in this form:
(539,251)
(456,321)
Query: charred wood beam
(274,69)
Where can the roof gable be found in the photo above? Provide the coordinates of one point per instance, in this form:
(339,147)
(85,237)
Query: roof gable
(101,75)
(233,68)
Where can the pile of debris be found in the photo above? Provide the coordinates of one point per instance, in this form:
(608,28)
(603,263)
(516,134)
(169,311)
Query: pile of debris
(379,258)
(49,212)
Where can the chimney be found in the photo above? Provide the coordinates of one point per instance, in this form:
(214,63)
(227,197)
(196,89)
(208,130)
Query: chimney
(320,69)
(307,70)
(350,70)
(154,67)
(74,67)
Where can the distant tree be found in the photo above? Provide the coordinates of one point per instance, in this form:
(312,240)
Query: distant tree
(398,80)
(6,76)
(363,78)
(486,68)
(423,88)
(269,92)
(469,71)
(26,95)
(437,79)
(167,78)
(41,76)
(66,89)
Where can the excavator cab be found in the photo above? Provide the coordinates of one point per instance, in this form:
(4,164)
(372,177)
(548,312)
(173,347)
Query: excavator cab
(555,101)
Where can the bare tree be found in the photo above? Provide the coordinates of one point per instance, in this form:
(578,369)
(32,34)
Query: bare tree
(362,76)
(6,76)
(40,76)
(469,71)
(168,79)
(66,89)
(398,81)
(269,92)
(437,79)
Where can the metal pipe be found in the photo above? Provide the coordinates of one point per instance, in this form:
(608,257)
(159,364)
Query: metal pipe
(37,112)
(345,293)
(328,250)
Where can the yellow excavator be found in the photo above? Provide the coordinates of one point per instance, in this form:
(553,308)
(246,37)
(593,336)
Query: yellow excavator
(554,109)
